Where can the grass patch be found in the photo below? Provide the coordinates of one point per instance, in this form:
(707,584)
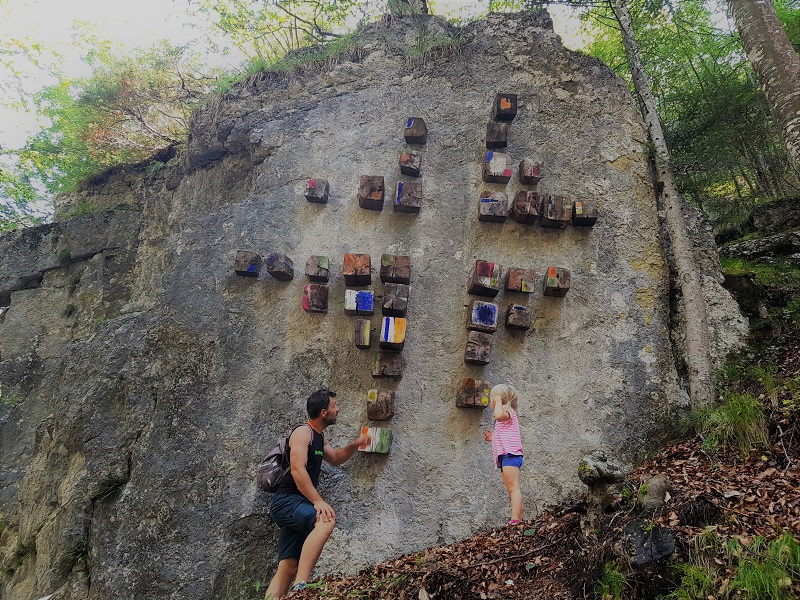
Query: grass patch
(781,273)
(84,208)
(612,584)
(739,421)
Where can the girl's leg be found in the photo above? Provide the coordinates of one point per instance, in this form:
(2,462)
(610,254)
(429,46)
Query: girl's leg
(511,479)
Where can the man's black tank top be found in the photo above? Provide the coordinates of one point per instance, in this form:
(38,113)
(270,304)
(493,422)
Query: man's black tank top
(313,464)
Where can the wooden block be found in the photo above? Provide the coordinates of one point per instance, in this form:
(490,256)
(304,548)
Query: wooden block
(521,280)
(392,334)
(485,279)
(356,269)
(473,393)
(395,268)
(518,317)
(370,192)
(556,211)
(493,207)
(395,299)
(530,171)
(482,316)
(317,190)
(496,135)
(248,264)
(359,302)
(362,333)
(505,107)
(409,197)
(387,364)
(318,268)
(411,163)
(380,405)
(584,213)
(527,207)
(497,167)
(380,440)
(315,297)
(556,281)
(280,266)
(415,132)
(479,348)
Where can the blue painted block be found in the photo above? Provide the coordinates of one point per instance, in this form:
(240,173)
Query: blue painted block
(482,316)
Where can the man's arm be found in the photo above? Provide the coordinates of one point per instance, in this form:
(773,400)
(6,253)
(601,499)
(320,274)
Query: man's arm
(298,455)
(337,456)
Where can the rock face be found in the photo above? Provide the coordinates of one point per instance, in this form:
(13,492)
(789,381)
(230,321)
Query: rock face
(143,380)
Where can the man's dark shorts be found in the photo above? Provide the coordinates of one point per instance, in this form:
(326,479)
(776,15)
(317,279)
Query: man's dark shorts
(296,517)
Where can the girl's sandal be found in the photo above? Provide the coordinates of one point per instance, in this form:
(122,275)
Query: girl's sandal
(513,522)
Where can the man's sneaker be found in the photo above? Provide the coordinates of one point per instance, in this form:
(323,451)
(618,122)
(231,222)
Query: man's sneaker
(299,586)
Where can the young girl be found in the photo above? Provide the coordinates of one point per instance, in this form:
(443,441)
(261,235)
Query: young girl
(507,444)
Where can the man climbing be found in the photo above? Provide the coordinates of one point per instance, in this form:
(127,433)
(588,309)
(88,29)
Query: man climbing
(305,519)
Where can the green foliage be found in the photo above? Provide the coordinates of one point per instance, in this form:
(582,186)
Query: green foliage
(612,584)
(738,421)
(766,572)
(9,398)
(695,582)
(779,273)
(84,208)
(18,196)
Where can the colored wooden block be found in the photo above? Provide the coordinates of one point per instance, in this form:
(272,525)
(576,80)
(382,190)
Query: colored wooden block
(317,190)
(505,107)
(530,171)
(362,330)
(473,393)
(280,266)
(395,268)
(526,208)
(359,302)
(479,348)
(380,440)
(485,279)
(395,299)
(415,131)
(584,213)
(497,167)
(370,192)
(483,316)
(556,281)
(409,197)
(356,269)
(392,334)
(315,297)
(496,134)
(318,268)
(521,280)
(493,207)
(380,405)
(387,364)
(518,317)
(556,211)
(411,163)
(248,264)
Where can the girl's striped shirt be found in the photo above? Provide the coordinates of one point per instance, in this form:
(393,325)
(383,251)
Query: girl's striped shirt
(506,437)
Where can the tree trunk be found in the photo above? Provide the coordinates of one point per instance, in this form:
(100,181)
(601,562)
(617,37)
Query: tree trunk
(698,341)
(776,64)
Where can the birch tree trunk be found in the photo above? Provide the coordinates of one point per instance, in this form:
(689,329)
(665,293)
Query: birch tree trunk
(698,341)
(776,64)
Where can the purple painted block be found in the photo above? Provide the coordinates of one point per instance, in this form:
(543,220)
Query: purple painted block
(482,316)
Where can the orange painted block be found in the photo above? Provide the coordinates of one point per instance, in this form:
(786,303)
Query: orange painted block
(356,269)
(393,333)
(556,281)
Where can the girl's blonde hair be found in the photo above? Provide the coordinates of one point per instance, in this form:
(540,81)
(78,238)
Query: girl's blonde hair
(507,394)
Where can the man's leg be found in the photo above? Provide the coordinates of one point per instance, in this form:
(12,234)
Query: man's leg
(279,585)
(312,548)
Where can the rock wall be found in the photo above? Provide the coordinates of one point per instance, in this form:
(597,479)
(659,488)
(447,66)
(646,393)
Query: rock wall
(142,380)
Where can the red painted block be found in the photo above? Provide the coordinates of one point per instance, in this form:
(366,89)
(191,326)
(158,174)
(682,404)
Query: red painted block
(485,279)
(530,171)
(315,297)
(317,190)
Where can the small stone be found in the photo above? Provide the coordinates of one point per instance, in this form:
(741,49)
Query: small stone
(505,107)
(415,132)
(395,299)
(371,191)
(521,280)
(362,330)
(584,213)
(485,279)
(315,297)
(556,211)
(479,348)
(380,440)
(395,268)
(409,197)
(556,281)
(527,207)
(380,405)
(356,269)
(318,268)
(493,207)
(280,266)
(248,264)
(496,135)
(482,316)
(518,317)
(387,364)
(497,167)
(317,190)
(411,163)
(530,171)
(359,302)
(473,393)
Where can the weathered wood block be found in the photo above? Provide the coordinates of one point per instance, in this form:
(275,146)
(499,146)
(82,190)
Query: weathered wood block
(482,316)
(411,163)
(362,330)
(315,297)
(380,405)
(370,192)
(479,348)
(380,440)
(395,268)
(496,134)
(415,131)
(318,268)
(556,211)
(556,281)
(530,171)
(248,264)
(395,299)
(409,197)
(505,107)
(497,167)
(356,269)
(393,333)
(359,302)
(493,207)
(584,213)
(473,393)
(485,279)
(387,364)
(521,280)
(518,317)
(317,190)
(526,208)
(280,266)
